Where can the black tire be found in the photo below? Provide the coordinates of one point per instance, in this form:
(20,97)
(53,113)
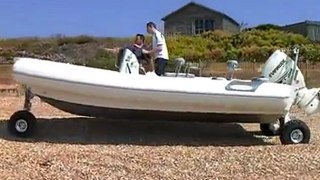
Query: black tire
(24,117)
(295,132)
(265,130)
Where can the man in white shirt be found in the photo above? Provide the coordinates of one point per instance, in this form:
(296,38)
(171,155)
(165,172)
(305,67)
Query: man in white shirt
(159,49)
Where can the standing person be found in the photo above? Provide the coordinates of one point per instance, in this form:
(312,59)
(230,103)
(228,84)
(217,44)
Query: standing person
(159,49)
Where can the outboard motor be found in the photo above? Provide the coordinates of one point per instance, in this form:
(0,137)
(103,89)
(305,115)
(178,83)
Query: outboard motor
(127,62)
(280,68)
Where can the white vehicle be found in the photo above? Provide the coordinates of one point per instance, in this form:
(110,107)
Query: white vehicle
(94,92)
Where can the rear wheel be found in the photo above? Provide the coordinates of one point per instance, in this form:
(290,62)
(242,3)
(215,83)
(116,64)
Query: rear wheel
(295,132)
(22,123)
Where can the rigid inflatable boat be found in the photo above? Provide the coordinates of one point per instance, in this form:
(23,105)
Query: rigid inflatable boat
(94,92)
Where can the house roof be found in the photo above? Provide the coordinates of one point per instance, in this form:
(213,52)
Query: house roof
(308,22)
(192,3)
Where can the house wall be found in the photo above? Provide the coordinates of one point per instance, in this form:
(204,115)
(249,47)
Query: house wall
(309,30)
(229,26)
(313,32)
(182,22)
(296,28)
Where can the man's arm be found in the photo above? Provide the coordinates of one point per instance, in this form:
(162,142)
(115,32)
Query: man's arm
(159,42)
(112,50)
(157,49)
(144,51)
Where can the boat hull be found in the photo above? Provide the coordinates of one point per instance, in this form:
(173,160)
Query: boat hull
(131,114)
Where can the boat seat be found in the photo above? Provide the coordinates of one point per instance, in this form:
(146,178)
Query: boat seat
(231,66)
(179,62)
(194,66)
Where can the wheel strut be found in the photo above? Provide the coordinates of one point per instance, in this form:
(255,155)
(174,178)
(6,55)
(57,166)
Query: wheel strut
(27,99)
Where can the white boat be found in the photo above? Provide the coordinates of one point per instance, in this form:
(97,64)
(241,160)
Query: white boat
(106,89)
(97,92)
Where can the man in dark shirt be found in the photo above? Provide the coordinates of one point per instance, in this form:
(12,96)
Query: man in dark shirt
(137,48)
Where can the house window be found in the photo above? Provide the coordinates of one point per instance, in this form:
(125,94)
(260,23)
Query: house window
(203,25)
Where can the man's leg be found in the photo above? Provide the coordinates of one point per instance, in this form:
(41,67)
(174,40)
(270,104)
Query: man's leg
(156,62)
(161,65)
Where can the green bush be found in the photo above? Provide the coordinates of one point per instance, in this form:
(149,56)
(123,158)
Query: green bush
(311,52)
(102,60)
(254,45)
(267,27)
(83,39)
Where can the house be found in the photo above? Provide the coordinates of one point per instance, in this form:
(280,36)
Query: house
(194,18)
(309,29)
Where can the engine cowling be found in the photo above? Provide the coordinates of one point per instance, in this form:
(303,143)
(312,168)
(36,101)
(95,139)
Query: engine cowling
(279,67)
(127,62)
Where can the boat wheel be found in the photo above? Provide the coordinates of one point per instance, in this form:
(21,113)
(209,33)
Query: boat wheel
(295,132)
(22,123)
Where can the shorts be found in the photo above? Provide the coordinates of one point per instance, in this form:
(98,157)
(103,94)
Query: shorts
(161,64)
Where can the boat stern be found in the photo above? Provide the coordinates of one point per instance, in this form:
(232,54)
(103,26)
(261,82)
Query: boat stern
(309,100)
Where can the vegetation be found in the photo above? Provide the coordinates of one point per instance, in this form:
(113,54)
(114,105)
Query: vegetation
(254,45)
(265,27)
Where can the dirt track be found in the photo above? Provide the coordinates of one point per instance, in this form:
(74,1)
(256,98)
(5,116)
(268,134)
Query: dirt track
(68,147)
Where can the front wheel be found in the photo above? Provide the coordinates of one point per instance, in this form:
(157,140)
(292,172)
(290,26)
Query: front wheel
(295,132)
(22,123)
